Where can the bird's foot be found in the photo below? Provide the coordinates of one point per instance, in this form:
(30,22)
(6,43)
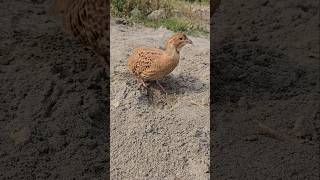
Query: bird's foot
(144,84)
(162,88)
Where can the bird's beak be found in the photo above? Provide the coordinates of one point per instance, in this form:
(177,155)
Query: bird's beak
(188,41)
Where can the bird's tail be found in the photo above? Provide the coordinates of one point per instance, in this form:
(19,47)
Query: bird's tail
(60,8)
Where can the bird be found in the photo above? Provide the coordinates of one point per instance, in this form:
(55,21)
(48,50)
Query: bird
(152,64)
(87,21)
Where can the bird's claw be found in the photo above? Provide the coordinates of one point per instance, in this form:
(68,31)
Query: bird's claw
(162,88)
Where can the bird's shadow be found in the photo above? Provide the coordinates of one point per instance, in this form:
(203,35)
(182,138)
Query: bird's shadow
(183,84)
(173,84)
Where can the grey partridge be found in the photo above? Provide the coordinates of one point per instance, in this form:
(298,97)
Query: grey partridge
(152,64)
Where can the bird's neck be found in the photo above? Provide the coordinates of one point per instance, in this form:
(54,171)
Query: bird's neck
(172,51)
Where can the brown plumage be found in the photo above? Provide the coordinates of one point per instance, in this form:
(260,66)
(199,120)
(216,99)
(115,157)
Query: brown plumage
(149,64)
(87,21)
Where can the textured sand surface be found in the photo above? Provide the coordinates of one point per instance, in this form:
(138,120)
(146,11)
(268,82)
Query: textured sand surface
(52,109)
(265,69)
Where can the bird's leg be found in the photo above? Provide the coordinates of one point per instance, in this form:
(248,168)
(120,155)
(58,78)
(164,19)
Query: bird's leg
(144,84)
(162,88)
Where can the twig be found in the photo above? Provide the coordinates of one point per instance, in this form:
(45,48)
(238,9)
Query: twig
(267,131)
(198,104)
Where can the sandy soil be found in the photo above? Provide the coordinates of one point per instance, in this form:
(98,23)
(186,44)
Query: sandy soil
(153,135)
(53,108)
(265,91)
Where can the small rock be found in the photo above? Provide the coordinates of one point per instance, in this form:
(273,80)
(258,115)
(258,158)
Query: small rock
(197,133)
(41,13)
(251,138)
(176,13)
(44,148)
(121,21)
(157,14)
(91,144)
(115,103)
(21,136)
(162,47)
(7,62)
(95,112)
(243,103)
(205,101)
(82,132)
(38,1)
(135,12)
(56,143)
(264,3)
(197,86)
(149,129)
(120,96)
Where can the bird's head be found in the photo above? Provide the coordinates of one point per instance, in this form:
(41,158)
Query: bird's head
(177,41)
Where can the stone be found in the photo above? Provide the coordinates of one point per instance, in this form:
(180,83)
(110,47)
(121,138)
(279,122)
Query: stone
(21,136)
(135,13)
(157,14)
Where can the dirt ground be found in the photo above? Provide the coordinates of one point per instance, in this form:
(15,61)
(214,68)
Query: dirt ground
(53,109)
(154,135)
(265,90)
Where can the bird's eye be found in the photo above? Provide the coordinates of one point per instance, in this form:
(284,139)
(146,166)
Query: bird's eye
(180,38)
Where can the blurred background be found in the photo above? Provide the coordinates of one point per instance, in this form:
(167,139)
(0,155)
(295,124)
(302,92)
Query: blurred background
(190,16)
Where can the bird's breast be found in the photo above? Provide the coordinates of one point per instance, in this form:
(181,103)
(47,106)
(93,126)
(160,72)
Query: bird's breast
(166,67)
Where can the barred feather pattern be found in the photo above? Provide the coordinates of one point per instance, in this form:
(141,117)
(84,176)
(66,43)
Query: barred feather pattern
(87,21)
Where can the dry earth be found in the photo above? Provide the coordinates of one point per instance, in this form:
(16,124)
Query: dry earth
(265,90)
(52,101)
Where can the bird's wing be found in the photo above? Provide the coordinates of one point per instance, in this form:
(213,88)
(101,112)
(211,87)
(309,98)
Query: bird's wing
(144,60)
(159,68)
(88,20)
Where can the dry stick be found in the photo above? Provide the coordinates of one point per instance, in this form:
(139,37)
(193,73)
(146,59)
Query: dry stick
(267,131)
(195,103)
